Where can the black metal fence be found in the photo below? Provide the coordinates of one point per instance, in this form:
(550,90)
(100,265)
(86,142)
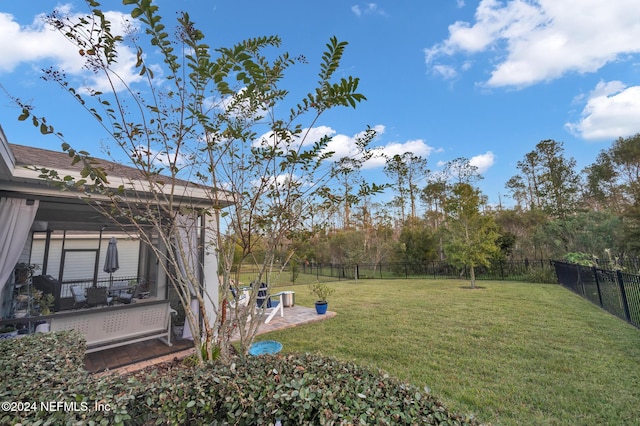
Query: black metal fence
(515,270)
(89,282)
(613,290)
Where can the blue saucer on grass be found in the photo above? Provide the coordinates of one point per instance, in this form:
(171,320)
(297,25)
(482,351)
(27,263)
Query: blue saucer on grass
(265,347)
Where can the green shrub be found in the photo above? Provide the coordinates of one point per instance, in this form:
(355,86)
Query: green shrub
(44,377)
(295,389)
(541,275)
(584,259)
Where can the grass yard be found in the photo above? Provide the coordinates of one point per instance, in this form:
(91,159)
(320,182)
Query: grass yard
(508,353)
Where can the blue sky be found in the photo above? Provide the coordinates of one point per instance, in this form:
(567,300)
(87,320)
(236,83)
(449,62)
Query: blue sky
(486,80)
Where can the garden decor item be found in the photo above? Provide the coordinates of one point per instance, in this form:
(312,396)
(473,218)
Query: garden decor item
(322,292)
(269,347)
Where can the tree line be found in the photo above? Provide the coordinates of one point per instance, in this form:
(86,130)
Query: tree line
(558,211)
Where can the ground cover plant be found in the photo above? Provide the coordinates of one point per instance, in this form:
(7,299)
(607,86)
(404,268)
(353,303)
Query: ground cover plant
(509,353)
(44,384)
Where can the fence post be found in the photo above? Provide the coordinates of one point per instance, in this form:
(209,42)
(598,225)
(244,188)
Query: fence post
(595,278)
(623,294)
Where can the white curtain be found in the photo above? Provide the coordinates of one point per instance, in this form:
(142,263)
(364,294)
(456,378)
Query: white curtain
(188,236)
(16,218)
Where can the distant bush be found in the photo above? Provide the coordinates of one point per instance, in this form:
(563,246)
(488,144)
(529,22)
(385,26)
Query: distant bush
(584,259)
(294,389)
(541,275)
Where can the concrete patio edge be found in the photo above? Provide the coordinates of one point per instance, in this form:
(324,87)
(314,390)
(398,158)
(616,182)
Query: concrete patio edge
(294,316)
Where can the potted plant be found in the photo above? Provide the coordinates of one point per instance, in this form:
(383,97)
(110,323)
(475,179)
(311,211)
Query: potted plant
(177,322)
(42,302)
(322,292)
(23,271)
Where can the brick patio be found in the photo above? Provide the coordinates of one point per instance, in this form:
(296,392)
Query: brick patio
(136,356)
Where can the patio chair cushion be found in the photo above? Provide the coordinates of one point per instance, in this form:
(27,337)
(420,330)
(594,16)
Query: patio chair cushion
(126,296)
(262,296)
(78,295)
(98,296)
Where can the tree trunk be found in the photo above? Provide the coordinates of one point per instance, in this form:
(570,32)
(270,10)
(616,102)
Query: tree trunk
(473,277)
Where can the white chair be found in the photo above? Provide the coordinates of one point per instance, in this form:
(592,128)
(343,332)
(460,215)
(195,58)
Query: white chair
(273,307)
(266,303)
(239,300)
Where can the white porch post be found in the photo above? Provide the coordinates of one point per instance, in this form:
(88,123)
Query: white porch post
(210,268)
(161,274)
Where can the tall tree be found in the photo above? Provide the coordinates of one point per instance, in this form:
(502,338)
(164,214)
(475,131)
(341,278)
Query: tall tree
(548,180)
(520,192)
(212,114)
(471,236)
(346,173)
(614,178)
(560,183)
(602,190)
(625,155)
(407,170)
(396,169)
(526,186)
(613,182)
(417,171)
(433,195)
(460,170)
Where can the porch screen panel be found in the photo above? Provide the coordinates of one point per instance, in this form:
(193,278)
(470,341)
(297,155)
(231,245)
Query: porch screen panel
(79,265)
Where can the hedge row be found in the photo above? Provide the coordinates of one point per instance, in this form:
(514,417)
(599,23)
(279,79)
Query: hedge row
(284,389)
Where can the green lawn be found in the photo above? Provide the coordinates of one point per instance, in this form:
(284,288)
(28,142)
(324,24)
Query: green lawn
(509,353)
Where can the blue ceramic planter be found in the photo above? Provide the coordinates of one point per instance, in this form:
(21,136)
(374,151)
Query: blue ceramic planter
(321,308)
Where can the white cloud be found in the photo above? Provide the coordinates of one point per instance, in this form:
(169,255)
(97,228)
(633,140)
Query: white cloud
(543,40)
(345,146)
(161,158)
(32,44)
(611,111)
(483,161)
(341,145)
(445,71)
(40,44)
(367,9)
(415,146)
